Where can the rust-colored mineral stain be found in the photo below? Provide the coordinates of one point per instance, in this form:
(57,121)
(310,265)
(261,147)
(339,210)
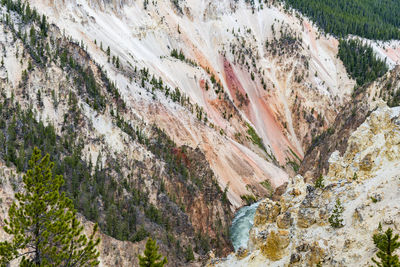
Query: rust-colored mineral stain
(393,54)
(235,87)
(278,140)
(311,35)
(202,84)
(181,156)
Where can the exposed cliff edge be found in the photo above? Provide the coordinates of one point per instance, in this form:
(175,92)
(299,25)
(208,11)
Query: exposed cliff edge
(349,118)
(166,116)
(265,79)
(295,231)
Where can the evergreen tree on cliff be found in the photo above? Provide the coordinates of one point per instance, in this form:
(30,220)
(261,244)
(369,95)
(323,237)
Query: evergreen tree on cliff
(43,223)
(151,256)
(387,243)
(336,219)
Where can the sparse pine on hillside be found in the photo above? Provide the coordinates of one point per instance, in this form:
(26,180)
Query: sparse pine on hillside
(151,257)
(43,223)
(319,183)
(336,219)
(189,253)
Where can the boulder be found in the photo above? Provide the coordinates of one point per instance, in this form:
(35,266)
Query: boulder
(266,212)
(305,217)
(275,246)
(284,221)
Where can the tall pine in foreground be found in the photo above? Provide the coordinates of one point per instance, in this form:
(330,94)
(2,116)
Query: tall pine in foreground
(151,256)
(43,223)
(387,243)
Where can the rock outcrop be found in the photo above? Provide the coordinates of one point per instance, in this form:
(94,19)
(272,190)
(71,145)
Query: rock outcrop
(166,115)
(295,231)
(349,118)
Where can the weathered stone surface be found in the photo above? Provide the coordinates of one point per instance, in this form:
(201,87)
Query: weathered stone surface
(303,247)
(306,217)
(315,255)
(284,220)
(366,163)
(279,191)
(274,247)
(266,213)
(242,253)
(294,258)
(311,200)
(369,198)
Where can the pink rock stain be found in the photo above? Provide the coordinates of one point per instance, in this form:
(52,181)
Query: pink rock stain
(278,141)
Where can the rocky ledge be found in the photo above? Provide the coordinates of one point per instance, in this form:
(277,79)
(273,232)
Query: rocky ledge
(296,231)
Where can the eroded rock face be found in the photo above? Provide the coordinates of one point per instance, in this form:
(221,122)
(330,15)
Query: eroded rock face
(284,221)
(242,253)
(266,213)
(373,144)
(275,246)
(305,218)
(349,118)
(295,231)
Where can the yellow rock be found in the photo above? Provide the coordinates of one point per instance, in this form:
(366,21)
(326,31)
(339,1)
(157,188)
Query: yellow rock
(366,163)
(284,220)
(305,218)
(275,246)
(315,255)
(266,212)
(242,253)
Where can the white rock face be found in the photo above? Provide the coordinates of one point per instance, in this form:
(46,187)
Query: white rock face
(207,33)
(372,146)
(296,231)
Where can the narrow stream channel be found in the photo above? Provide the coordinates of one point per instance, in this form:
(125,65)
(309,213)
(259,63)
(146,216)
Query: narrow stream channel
(241,225)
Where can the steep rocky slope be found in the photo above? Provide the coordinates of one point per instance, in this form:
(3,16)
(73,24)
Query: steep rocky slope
(120,171)
(295,231)
(146,148)
(263,79)
(165,116)
(113,252)
(349,118)
(266,81)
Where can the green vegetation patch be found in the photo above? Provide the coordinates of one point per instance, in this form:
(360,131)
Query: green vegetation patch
(372,19)
(267,185)
(360,61)
(249,199)
(255,138)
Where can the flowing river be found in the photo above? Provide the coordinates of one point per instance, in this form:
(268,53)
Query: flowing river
(241,225)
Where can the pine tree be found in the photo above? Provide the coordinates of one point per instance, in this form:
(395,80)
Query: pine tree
(151,256)
(336,220)
(319,183)
(387,244)
(43,223)
(189,253)
(117,62)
